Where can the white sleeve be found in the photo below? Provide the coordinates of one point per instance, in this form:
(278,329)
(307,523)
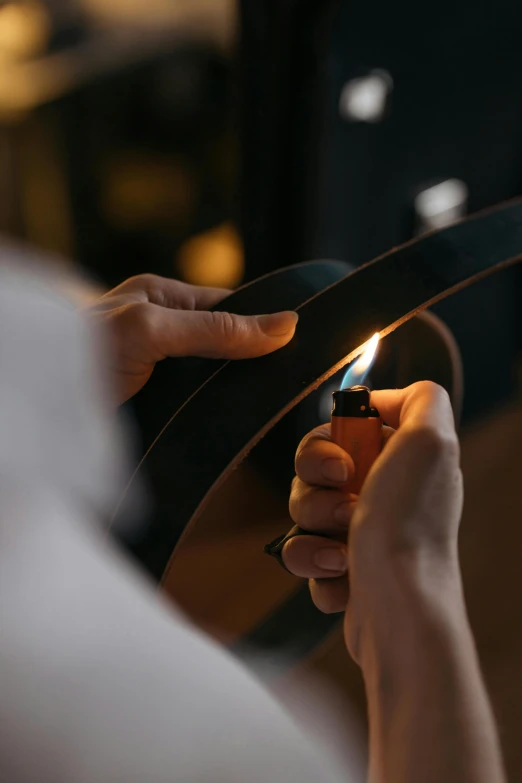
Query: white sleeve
(100,680)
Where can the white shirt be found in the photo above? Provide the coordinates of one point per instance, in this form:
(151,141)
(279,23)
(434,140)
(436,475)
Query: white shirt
(100,680)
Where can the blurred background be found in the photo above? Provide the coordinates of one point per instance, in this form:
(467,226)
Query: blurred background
(215,141)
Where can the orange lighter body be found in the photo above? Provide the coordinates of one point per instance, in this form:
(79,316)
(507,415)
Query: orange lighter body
(357,428)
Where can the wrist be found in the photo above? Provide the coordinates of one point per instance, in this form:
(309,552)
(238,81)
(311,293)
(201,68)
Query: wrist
(406,604)
(423,683)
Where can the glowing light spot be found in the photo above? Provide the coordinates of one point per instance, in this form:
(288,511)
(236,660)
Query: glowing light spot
(441,205)
(214,258)
(25,29)
(365,99)
(147,190)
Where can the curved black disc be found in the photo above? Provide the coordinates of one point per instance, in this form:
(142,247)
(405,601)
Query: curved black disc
(241,401)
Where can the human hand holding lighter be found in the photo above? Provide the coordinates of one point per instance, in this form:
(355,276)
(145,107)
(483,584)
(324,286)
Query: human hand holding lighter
(388,559)
(399,506)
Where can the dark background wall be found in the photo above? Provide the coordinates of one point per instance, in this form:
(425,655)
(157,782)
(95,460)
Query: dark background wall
(216,146)
(170,147)
(319,184)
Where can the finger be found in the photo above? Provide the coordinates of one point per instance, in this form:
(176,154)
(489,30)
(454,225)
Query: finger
(330,595)
(417,474)
(166,292)
(214,335)
(421,404)
(321,462)
(327,511)
(387,433)
(315,557)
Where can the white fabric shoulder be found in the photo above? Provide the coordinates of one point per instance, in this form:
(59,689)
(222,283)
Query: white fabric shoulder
(100,680)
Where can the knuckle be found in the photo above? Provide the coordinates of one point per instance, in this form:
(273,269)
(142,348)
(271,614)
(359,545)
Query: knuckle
(434,443)
(301,510)
(317,434)
(294,489)
(148,285)
(301,504)
(227,325)
(431,390)
(138,318)
(294,502)
(305,512)
(307,445)
(436,439)
(154,287)
(427,386)
(432,393)
(146,280)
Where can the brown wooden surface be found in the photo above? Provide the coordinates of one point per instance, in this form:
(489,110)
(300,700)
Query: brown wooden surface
(221,576)
(226,584)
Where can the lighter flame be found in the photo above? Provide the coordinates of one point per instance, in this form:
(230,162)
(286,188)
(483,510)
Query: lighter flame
(363,362)
(357,371)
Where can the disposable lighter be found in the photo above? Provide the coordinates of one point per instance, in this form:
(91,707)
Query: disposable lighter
(357,428)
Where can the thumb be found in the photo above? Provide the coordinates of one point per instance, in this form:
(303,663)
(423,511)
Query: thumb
(219,335)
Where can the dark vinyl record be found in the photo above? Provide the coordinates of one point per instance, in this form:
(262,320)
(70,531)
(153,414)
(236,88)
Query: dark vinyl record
(232,405)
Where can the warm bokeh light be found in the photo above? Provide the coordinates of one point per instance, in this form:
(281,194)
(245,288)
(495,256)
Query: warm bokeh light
(145,190)
(25,29)
(215,18)
(214,258)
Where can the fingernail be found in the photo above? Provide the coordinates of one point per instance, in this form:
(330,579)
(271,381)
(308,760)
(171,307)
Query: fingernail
(335,470)
(343,512)
(278,324)
(331,559)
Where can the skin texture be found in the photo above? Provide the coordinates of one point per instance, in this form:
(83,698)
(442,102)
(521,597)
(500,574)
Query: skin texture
(389,560)
(150,318)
